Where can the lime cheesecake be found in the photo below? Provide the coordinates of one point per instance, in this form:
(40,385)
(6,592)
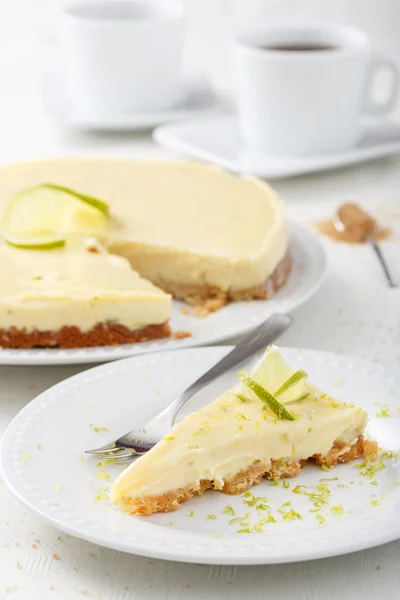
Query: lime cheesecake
(268,425)
(193,230)
(76,295)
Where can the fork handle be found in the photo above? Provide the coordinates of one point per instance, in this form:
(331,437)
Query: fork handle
(250,344)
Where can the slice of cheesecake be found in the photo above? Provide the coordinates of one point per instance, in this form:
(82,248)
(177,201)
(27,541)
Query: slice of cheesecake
(76,296)
(197,232)
(232,443)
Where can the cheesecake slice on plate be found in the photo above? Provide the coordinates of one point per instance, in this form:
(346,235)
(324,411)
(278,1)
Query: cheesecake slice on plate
(268,425)
(75,296)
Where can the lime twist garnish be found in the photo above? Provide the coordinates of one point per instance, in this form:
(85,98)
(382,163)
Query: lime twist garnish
(41,217)
(295,378)
(266,397)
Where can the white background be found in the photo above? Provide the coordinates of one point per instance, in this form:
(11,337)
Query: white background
(353,313)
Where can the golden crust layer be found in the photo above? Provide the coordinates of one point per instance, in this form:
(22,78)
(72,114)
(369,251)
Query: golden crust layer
(211,298)
(242,481)
(103,334)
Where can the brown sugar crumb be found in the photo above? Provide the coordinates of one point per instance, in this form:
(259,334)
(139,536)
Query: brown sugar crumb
(93,249)
(185,311)
(358,225)
(92,554)
(19,566)
(56,556)
(377,568)
(181,335)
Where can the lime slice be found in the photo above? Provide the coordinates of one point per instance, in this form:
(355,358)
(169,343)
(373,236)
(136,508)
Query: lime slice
(266,397)
(41,217)
(293,388)
(95,202)
(273,373)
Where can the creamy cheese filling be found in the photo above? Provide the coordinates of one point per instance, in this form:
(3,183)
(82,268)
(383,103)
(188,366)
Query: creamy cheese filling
(176,222)
(229,435)
(48,289)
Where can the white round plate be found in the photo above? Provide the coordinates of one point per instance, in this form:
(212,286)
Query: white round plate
(58,485)
(309,269)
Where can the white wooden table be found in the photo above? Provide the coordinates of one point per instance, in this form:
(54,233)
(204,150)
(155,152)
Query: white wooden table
(353,313)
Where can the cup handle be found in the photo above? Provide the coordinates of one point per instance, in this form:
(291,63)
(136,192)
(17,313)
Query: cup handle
(372,107)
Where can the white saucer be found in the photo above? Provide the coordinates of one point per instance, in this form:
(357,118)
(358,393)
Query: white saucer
(197,98)
(216,139)
(41,465)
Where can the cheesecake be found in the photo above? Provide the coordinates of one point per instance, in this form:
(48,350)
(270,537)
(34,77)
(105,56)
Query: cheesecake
(197,232)
(267,426)
(76,296)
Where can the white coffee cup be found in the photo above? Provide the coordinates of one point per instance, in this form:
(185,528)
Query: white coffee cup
(123,55)
(304,102)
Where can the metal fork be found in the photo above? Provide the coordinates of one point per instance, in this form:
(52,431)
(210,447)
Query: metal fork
(139,441)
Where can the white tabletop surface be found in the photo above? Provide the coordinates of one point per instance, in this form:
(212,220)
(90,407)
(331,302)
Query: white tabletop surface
(353,313)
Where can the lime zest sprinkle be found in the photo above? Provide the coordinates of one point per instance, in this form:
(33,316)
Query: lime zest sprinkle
(203,429)
(325,468)
(337,511)
(81,458)
(285,484)
(57,487)
(108,461)
(376,501)
(171,524)
(251,500)
(384,409)
(98,429)
(275,481)
(321,520)
(324,479)
(193,447)
(191,513)
(102,494)
(211,517)
(266,397)
(24,458)
(242,417)
(242,521)
(290,515)
(229,510)
(241,397)
(39,446)
(368,469)
(342,485)
(390,454)
(169,438)
(309,430)
(103,475)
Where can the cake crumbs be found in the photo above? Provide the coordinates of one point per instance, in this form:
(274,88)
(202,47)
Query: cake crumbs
(56,556)
(181,335)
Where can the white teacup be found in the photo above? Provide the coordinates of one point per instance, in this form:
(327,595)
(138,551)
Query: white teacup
(123,55)
(303,90)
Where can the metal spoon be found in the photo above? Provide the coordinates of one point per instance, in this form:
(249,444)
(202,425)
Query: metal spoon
(339,226)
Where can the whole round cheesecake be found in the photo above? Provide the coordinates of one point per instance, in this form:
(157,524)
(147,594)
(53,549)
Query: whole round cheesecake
(197,232)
